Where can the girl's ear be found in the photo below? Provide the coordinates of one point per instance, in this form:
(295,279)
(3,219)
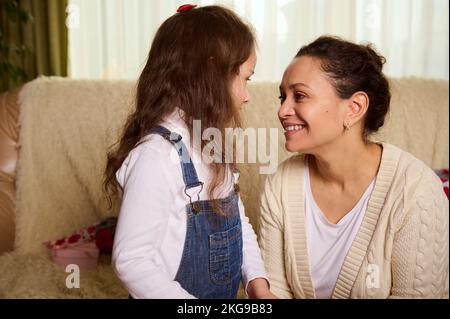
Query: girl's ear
(358,104)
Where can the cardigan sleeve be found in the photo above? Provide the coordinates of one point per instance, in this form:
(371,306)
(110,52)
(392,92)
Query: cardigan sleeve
(271,241)
(420,255)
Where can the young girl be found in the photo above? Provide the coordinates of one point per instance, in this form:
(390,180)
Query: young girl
(182,231)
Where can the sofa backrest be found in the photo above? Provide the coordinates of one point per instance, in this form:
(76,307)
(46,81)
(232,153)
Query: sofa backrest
(68,125)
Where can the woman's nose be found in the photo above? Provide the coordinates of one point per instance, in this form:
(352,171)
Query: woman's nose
(286,109)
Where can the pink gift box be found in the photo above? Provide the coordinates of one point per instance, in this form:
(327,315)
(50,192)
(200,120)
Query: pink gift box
(85,255)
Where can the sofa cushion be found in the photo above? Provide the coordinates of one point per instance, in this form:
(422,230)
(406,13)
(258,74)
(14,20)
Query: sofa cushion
(443,175)
(36,276)
(101,233)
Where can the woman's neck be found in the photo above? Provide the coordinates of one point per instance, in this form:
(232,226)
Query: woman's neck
(346,164)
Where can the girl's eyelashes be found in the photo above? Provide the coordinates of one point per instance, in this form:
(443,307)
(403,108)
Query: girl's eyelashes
(282,98)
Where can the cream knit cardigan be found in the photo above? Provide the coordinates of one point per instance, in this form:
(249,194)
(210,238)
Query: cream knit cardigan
(400,251)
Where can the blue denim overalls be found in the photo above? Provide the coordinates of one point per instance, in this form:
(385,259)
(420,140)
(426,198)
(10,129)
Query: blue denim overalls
(212,256)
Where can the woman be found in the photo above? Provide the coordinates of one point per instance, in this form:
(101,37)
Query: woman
(349,218)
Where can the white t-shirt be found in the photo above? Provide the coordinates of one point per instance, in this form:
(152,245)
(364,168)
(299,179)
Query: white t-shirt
(329,243)
(151,229)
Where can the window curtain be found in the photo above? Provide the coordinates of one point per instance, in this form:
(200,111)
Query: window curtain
(111,38)
(45,38)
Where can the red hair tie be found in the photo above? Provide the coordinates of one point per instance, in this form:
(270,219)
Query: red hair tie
(186,7)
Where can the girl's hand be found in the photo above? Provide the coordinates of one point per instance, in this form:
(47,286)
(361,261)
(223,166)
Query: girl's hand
(259,289)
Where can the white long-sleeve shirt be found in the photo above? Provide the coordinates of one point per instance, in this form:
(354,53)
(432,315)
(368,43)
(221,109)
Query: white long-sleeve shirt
(151,228)
(329,243)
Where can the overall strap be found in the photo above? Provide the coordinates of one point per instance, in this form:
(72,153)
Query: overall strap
(189,173)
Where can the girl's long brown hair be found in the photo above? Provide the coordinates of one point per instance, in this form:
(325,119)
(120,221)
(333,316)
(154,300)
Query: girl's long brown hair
(193,58)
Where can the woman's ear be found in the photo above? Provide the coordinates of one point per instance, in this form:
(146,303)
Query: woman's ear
(357,107)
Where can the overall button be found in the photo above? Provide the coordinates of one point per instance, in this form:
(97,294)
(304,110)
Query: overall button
(196,207)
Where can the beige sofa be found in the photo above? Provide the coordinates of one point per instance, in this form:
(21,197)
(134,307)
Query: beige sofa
(66,127)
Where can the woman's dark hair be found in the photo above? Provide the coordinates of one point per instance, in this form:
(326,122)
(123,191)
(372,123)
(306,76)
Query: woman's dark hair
(193,58)
(352,68)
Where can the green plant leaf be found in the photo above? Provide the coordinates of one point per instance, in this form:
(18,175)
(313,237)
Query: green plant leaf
(14,72)
(28,51)
(21,73)
(4,49)
(13,48)
(18,51)
(11,9)
(11,71)
(26,16)
(21,50)
(3,67)
(9,67)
